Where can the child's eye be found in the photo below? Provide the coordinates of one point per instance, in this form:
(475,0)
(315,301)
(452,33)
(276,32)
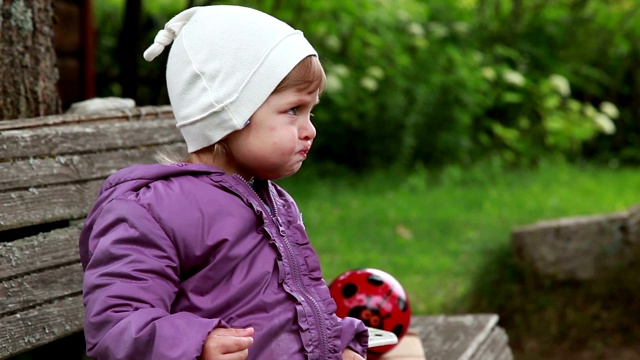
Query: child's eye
(293,111)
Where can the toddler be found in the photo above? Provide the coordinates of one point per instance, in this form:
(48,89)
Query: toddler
(207,258)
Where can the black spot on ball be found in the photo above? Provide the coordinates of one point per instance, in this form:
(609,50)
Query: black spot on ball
(357,312)
(398,330)
(402,304)
(375,280)
(348,290)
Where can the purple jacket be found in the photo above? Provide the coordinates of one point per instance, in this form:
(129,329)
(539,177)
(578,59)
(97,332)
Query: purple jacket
(172,251)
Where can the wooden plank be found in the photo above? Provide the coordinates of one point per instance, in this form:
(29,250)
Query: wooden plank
(44,250)
(38,326)
(495,347)
(73,139)
(35,172)
(455,337)
(140,113)
(39,288)
(45,205)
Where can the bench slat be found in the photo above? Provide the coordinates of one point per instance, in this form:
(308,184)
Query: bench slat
(494,347)
(45,205)
(72,139)
(44,250)
(454,337)
(39,288)
(141,113)
(71,168)
(27,330)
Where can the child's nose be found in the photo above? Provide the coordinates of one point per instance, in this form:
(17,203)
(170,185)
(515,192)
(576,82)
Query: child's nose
(308,131)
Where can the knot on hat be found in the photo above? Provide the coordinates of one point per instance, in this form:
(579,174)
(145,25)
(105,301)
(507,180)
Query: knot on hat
(166,36)
(224,63)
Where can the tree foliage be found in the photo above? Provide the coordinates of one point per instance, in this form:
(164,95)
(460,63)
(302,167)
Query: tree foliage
(436,82)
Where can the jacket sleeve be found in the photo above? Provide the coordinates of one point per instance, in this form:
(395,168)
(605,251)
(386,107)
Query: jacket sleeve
(355,335)
(130,282)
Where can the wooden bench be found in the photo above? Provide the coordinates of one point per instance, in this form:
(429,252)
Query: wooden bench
(50,171)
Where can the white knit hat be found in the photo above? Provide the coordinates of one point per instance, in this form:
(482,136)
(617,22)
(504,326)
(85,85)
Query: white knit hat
(225,62)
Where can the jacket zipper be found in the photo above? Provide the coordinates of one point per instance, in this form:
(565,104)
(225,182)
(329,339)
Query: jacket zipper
(295,267)
(305,293)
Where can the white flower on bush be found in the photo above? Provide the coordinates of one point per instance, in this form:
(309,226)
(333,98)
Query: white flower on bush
(334,83)
(590,111)
(488,73)
(460,27)
(340,70)
(560,84)
(376,72)
(335,75)
(605,123)
(403,16)
(369,83)
(333,43)
(416,29)
(438,30)
(609,109)
(513,77)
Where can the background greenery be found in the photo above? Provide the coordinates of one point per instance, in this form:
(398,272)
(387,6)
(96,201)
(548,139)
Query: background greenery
(444,125)
(428,226)
(435,82)
(446,236)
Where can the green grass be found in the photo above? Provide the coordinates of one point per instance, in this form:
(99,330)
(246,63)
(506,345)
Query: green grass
(434,232)
(446,236)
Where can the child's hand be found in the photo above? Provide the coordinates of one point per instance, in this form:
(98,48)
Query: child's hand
(225,342)
(349,354)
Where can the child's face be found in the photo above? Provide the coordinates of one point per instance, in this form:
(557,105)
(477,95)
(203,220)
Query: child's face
(278,138)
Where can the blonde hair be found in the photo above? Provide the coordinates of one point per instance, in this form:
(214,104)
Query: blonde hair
(308,73)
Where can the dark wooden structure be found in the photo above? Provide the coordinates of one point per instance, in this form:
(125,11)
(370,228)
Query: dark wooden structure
(75,44)
(50,172)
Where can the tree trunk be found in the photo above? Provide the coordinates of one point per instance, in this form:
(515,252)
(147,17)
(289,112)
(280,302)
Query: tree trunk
(28,72)
(129,48)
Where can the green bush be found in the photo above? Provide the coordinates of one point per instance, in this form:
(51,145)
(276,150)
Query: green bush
(593,44)
(452,82)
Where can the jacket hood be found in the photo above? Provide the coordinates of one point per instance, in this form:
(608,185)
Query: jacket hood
(132,179)
(138,176)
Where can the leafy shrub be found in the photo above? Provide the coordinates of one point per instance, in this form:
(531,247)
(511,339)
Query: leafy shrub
(452,82)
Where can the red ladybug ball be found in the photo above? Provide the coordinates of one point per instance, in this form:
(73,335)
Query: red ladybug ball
(376,298)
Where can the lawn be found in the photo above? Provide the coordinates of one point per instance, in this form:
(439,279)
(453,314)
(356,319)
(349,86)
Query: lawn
(442,233)
(432,230)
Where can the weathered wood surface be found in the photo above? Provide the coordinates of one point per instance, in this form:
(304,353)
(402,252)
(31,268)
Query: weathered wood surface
(40,325)
(462,337)
(40,287)
(72,139)
(28,67)
(45,205)
(495,347)
(40,290)
(37,172)
(50,170)
(42,251)
(53,173)
(141,113)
